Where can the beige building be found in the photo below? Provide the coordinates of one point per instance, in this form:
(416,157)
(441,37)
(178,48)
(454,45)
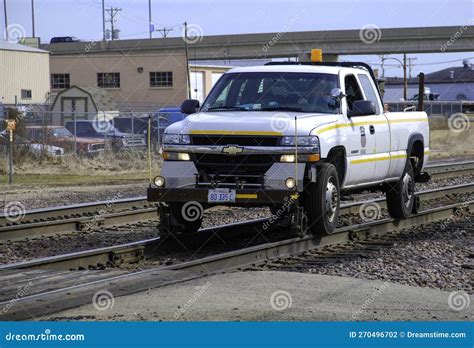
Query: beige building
(135,75)
(24,74)
(203,78)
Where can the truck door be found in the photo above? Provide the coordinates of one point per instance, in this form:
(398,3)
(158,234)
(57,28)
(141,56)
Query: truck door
(379,128)
(359,141)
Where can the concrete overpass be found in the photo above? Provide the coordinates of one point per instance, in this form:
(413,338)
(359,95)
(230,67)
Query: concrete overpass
(291,44)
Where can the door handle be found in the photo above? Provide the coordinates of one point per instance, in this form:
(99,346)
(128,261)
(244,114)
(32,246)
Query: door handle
(372,129)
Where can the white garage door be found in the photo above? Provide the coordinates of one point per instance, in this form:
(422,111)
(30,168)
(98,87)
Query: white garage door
(197,85)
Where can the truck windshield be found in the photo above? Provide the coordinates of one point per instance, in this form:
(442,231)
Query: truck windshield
(273,91)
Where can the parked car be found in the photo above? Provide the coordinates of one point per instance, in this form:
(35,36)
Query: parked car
(35,148)
(62,39)
(166,117)
(62,137)
(118,139)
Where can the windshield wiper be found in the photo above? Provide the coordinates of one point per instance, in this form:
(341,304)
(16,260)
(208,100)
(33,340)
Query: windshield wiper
(281,108)
(234,107)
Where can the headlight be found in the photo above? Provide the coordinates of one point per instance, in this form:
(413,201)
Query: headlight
(290,183)
(311,140)
(177,139)
(159,181)
(176,156)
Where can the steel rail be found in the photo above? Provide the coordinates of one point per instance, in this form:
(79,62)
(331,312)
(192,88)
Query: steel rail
(135,251)
(136,215)
(89,208)
(126,284)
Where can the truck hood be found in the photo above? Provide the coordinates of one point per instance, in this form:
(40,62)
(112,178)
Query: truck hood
(252,122)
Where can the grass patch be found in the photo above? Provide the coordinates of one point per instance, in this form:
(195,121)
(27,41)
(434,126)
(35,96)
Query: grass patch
(76,180)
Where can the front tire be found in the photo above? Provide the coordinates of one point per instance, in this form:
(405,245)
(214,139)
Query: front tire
(401,195)
(322,201)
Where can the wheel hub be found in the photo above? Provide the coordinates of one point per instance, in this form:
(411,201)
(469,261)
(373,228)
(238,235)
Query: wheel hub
(407,190)
(332,199)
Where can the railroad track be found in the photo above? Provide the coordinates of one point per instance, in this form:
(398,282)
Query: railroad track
(105,214)
(447,170)
(46,299)
(134,252)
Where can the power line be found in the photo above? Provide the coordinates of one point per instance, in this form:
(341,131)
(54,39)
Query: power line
(164,32)
(423,64)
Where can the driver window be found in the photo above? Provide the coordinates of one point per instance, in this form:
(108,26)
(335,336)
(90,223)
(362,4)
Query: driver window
(353,91)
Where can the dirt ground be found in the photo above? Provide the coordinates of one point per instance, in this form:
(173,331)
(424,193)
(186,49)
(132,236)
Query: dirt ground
(274,296)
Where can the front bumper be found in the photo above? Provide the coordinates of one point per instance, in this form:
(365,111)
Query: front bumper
(243,196)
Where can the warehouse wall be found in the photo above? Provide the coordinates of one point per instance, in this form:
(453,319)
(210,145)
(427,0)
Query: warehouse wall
(134,72)
(24,70)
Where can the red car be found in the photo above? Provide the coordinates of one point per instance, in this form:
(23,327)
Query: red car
(61,137)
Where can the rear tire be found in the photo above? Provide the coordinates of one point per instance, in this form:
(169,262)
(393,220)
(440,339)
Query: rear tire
(322,201)
(401,195)
(186,217)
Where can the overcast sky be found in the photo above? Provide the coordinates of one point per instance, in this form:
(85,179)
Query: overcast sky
(83,19)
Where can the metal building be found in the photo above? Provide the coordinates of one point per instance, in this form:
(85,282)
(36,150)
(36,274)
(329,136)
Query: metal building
(24,73)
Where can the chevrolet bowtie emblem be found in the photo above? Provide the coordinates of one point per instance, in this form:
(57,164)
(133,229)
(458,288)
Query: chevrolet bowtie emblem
(232,150)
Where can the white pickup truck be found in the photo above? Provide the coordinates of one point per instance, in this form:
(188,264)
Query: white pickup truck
(294,137)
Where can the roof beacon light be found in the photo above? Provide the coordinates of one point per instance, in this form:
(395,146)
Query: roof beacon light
(316,55)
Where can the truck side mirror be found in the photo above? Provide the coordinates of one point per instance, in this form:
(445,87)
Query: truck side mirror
(336,96)
(362,108)
(189,106)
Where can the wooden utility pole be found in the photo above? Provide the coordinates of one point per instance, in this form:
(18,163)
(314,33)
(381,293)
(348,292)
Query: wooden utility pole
(113,12)
(164,32)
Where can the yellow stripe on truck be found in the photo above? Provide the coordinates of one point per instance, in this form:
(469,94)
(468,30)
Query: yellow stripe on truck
(246,195)
(374,159)
(231,132)
(369,123)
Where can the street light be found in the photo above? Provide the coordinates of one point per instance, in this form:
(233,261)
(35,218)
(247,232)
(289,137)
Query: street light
(404,66)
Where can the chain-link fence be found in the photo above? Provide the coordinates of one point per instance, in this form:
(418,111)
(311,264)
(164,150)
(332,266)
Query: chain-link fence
(434,108)
(83,133)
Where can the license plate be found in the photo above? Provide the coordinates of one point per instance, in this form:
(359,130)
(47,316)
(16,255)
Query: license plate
(221,196)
